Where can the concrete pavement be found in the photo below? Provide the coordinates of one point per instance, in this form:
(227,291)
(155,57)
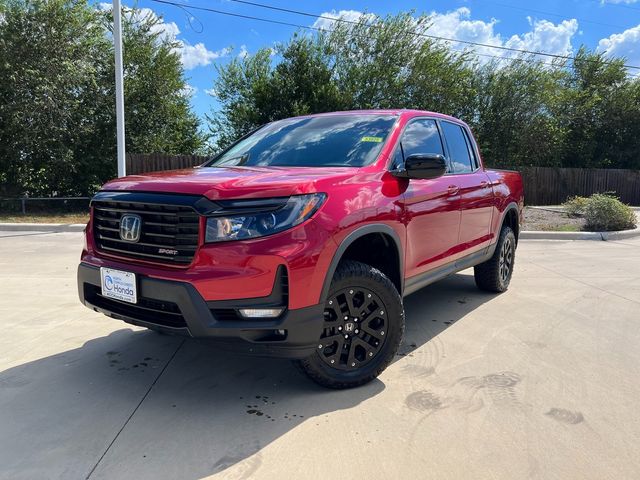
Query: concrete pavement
(540,382)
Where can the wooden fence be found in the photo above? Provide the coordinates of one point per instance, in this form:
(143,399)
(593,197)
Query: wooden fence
(153,162)
(552,186)
(542,185)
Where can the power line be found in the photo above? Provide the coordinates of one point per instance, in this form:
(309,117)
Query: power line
(343,20)
(621,5)
(467,42)
(552,14)
(306,14)
(519,60)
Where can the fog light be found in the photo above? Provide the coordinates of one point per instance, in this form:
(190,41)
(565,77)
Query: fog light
(261,312)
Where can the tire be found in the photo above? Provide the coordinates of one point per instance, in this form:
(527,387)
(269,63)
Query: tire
(494,275)
(374,328)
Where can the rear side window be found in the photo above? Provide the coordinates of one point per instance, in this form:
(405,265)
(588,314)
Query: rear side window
(459,150)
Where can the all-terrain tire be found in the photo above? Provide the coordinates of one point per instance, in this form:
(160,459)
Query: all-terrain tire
(363,328)
(494,275)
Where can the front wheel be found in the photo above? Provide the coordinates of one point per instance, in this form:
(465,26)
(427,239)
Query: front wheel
(363,328)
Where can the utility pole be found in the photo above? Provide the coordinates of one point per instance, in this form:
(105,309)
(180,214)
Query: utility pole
(117,42)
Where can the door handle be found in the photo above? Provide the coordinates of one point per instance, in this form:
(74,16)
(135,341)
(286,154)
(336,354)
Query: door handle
(453,189)
(484,184)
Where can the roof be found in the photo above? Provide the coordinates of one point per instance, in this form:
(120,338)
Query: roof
(397,111)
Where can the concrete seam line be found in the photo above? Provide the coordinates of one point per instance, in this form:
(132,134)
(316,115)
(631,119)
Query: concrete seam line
(584,283)
(31,234)
(135,410)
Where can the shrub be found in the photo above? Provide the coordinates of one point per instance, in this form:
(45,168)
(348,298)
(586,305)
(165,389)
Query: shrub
(575,206)
(604,212)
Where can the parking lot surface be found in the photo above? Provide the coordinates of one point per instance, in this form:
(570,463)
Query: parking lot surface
(540,382)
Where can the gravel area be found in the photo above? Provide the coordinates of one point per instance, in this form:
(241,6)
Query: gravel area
(536,219)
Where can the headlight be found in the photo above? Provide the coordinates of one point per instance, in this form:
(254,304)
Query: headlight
(296,210)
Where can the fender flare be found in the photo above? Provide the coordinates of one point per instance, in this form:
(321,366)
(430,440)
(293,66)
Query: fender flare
(511,206)
(352,237)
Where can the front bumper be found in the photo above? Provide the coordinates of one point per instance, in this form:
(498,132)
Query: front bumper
(177,308)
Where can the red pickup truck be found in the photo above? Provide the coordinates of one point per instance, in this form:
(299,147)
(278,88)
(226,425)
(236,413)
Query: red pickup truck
(301,239)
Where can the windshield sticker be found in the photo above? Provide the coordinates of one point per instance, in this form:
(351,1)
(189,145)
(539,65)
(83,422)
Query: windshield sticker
(371,139)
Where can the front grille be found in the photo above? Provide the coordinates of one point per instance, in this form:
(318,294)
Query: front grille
(169,233)
(158,312)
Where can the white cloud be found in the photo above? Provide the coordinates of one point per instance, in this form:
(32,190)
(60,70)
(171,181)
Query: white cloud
(458,25)
(348,15)
(197,55)
(191,56)
(619,1)
(166,30)
(547,37)
(244,53)
(625,44)
(188,90)
(211,92)
(544,36)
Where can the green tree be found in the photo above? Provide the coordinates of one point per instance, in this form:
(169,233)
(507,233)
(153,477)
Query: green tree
(253,92)
(515,117)
(382,63)
(374,63)
(49,94)
(599,109)
(583,113)
(158,116)
(57,102)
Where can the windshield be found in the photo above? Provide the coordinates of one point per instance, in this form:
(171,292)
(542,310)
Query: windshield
(325,141)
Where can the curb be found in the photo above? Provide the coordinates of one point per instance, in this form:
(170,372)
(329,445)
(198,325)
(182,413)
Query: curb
(602,236)
(525,235)
(42,227)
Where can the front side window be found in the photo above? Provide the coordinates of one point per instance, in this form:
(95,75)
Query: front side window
(420,136)
(323,141)
(458,148)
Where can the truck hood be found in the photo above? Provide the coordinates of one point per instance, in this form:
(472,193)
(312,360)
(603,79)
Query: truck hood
(235,182)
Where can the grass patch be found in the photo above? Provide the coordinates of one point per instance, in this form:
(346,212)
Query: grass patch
(46,218)
(567,228)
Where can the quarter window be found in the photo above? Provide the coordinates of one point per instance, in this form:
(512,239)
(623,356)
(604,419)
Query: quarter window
(459,150)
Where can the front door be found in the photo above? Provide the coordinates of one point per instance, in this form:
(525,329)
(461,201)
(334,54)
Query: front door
(432,207)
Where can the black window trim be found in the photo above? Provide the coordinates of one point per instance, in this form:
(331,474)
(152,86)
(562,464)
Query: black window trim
(397,146)
(474,148)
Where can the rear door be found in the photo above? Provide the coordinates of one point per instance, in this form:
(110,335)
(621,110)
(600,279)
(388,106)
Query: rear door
(432,207)
(476,196)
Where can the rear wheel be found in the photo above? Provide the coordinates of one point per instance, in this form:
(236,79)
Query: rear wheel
(363,327)
(494,275)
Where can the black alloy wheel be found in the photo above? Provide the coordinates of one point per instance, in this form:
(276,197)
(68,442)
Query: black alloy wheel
(362,329)
(355,323)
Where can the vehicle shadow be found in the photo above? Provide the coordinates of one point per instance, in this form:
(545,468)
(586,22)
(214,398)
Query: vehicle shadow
(179,408)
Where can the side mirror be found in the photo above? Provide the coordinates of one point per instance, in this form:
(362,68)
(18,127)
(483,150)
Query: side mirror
(423,166)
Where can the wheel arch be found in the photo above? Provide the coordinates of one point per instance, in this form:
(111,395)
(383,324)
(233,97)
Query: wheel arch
(386,232)
(511,218)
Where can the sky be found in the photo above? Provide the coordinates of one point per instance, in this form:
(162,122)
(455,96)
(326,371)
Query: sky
(557,27)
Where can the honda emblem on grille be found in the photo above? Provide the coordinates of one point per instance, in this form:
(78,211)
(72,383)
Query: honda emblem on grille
(130,226)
